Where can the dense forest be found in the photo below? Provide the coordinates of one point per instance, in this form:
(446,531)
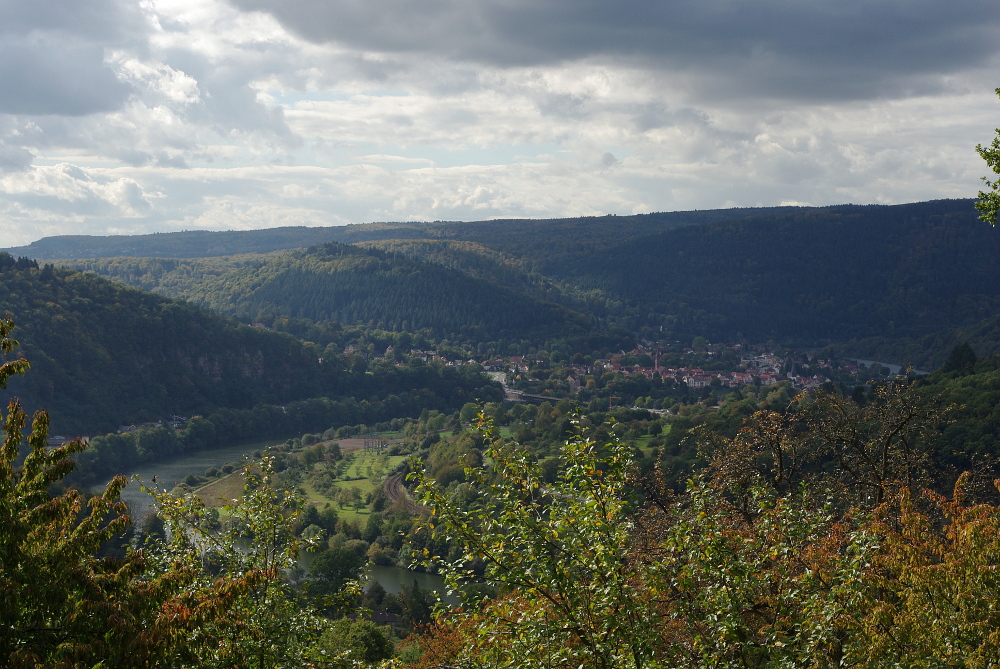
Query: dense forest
(875,279)
(833,274)
(107,355)
(591,231)
(350,285)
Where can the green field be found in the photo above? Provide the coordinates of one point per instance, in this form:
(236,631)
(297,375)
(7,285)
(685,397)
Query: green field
(319,500)
(355,475)
(362,461)
(223,491)
(642,443)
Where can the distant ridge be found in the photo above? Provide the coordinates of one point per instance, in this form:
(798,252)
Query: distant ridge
(201,243)
(883,277)
(208,244)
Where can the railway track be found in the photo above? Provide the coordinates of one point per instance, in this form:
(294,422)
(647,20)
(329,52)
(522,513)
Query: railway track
(397,494)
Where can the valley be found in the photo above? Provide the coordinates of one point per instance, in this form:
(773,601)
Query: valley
(373,387)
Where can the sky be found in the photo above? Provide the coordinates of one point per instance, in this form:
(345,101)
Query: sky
(138,116)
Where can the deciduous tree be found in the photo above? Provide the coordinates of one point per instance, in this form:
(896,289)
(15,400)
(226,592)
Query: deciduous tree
(989,200)
(560,551)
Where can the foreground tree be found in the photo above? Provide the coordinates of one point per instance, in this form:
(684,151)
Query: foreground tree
(244,613)
(989,200)
(60,604)
(798,545)
(928,598)
(735,573)
(560,553)
(201,599)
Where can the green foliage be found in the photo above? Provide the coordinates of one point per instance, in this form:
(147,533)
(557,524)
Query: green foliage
(837,273)
(851,272)
(766,589)
(7,346)
(333,569)
(61,604)
(972,440)
(7,262)
(57,595)
(561,549)
(925,600)
(797,545)
(962,359)
(243,560)
(988,203)
(351,285)
(351,643)
(111,355)
(200,593)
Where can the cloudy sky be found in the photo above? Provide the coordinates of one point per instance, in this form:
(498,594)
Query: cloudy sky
(130,116)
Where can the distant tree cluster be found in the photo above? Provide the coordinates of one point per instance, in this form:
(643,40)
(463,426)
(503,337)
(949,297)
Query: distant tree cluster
(118,452)
(353,286)
(8,262)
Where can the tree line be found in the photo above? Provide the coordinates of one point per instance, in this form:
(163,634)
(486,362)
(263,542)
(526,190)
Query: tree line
(113,453)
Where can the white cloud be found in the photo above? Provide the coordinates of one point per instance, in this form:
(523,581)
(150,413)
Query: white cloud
(192,113)
(64,188)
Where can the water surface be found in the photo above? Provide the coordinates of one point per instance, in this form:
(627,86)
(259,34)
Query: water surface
(170,472)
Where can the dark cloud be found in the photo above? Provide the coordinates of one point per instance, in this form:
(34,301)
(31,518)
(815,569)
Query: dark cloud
(41,76)
(99,20)
(52,54)
(809,49)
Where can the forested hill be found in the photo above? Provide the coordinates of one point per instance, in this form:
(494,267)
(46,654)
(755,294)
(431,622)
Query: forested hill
(544,236)
(834,274)
(929,351)
(923,271)
(352,285)
(206,244)
(104,355)
(801,276)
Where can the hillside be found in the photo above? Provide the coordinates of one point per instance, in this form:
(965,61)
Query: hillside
(104,354)
(351,285)
(545,236)
(799,276)
(203,243)
(803,277)
(876,279)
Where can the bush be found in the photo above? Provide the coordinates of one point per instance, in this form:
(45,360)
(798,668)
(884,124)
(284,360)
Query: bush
(363,639)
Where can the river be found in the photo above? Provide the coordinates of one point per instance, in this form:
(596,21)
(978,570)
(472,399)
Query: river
(169,473)
(893,368)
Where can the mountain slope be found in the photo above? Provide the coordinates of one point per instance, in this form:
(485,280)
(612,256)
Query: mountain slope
(801,276)
(838,273)
(546,235)
(104,354)
(352,285)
